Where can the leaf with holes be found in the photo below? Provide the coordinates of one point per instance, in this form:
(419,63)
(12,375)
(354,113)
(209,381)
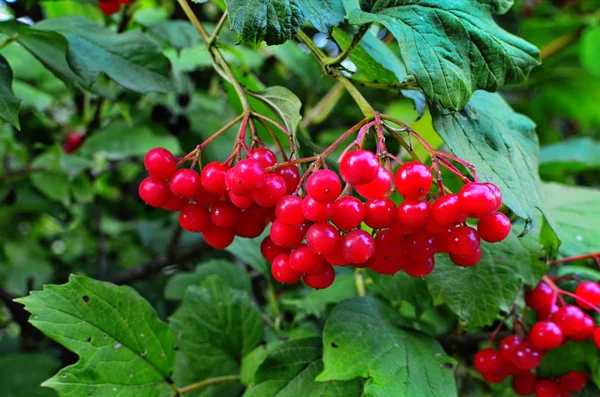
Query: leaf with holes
(123,347)
(290,370)
(451,47)
(362,339)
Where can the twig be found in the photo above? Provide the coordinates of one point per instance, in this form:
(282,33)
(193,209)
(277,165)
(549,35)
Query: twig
(206,383)
(575,258)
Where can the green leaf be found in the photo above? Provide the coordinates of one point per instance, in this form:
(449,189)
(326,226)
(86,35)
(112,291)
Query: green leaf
(215,327)
(504,267)
(118,140)
(235,276)
(402,288)
(362,339)
(21,374)
(124,349)
(248,251)
(576,154)
(589,50)
(131,59)
(26,262)
(315,301)
(577,215)
(501,144)
(290,371)
(178,34)
(53,184)
(581,356)
(299,63)
(451,47)
(274,21)
(9,103)
(284,103)
(323,14)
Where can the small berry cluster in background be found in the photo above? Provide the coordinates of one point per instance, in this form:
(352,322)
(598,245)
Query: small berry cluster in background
(110,7)
(557,323)
(317,221)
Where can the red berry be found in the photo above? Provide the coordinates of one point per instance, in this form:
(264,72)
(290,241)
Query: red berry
(324,186)
(380,213)
(387,257)
(494,378)
(271,191)
(348,213)
(359,167)
(527,357)
(494,227)
(446,211)
(464,241)
(420,245)
(224,214)
(240,201)
(545,335)
(316,211)
(443,241)
(286,236)
(336,256)
(573,381)
(282,271)
(109,7)
(291,176)
(416,268)
(546,314)
(497,194)
(400,230)
(246,176)
(265,157)
(414,213)
(547,388)
(289,210)
(75,140)
(305,260)
(586,332)
(524,384)
(540,298)
(175,203)
(270,250)
(378,187)
(249,226)
(160,163)
(570,319)
(590,292)
(508,345)
(488,361)
(218,237)
(213,177)
(596,337)
(466,260)
(320,280)
(413,180)
(205,197)
(194,218)
(322,237)
(358,246)
(185,182)
(477,200)
(154,192)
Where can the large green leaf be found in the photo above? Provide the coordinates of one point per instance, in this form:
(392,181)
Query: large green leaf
(323,14)
(362,339)
(577,154)
(124,349)
(402,288)
(290,371)
(451,47)
(235,276)
(576,211)
(178,34)
(21,374)
(215,327)
(501,144)
(284,103)
(504,267)
(9,103)
(131,59)
(274,21)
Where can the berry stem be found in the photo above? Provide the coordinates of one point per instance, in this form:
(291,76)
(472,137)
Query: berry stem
(469,166)
(276,139)
(217,30)
(280,128)
(450,167)
(396,134)
(560,292)
(574,258)
(222,130)
(496,332)
(359,280)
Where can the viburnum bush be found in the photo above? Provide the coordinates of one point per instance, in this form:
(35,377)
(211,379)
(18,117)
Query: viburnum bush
(299,198)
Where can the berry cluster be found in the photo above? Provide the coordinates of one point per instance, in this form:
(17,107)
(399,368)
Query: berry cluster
(221,201)
(73,142)
(519,356)
(109,7)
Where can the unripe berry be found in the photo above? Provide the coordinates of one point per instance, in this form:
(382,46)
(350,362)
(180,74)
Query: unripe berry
(160,163)
(185,182)
(359,166)
(154,192)
(413,180)
(324,186)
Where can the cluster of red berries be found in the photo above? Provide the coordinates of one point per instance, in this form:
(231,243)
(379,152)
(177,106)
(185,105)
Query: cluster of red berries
(109,7)
(555,326)
(403,237)
(221,201)
(73,142)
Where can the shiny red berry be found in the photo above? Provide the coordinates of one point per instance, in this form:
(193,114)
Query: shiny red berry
(160,163)
(488,361)
(378,187)
(573,381)
(289,210)
(387,257)
(336,256)
(282,271)
(348,213)
(545,335)
(596,337)
(359,166)
(477,200)
(287,236)
(154,192)
(524,384)
(413,180)
(420,245)
(185,182)
(380,213)
(540,298)
(109,7)
(494,227)
(213,177)
(265,157)
(175,203)
(316,211)
(414,213)
(224,214)
(497,194)
(324,186)
(291,176)
(240,201)
(202,196)
(249,174)
(218,237)
(305,260)
(320,280)
(508,345)
(527,357)
(323,237)
(194,218)
(271,191)
(570,319)
(590,292)
(358,246)
(466,260)
(586,331)
(547,388)
(249,226)
(415,268)
(446,211)
(270,250)
(464,241)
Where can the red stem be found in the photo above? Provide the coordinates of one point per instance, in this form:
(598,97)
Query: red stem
(575,258)
(560,292)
